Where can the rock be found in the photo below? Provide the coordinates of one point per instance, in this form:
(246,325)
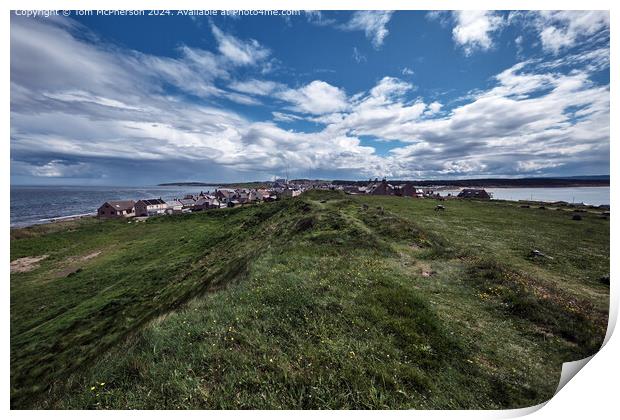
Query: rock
(604,279)
(74,272)
(576,217)
(537,254)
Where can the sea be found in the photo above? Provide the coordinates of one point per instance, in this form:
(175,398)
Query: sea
(32,205)
(593,196)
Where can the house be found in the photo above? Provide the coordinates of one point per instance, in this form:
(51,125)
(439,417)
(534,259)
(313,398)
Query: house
(381,188)
(243,197)
(150,207)
(187,203)
(201,204)
(290,192)
(174,207)
(111,209)
(206,203)
(269,196)
(474,193)
(253,196)
(406,190)
(225,194)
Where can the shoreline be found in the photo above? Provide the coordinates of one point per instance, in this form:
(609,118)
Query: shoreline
(59,219)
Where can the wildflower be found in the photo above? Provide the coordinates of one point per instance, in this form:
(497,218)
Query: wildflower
(102,383)
(92,388)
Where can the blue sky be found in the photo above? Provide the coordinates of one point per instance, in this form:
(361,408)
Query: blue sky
(128,100)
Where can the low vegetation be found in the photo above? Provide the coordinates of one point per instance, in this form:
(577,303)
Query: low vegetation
(322,301)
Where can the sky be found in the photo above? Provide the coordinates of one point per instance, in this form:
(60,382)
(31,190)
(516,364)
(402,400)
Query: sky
(141,100)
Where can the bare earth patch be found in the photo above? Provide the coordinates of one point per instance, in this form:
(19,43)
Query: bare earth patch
(72,264)
(425,269)
(25,264)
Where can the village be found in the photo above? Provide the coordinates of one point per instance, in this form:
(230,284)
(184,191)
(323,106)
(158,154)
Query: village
(279,188)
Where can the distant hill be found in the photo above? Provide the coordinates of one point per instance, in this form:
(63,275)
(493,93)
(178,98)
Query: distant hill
(575,181)
(186,184)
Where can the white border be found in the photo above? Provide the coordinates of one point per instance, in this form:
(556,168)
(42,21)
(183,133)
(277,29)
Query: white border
(594,391)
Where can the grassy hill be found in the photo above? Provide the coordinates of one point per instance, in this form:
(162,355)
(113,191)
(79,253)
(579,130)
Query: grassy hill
(322,301)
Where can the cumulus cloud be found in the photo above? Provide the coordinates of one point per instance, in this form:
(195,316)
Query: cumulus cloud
(120,113)
(474,28)
(113,111)
(435,107)
(528,122)
(317,98)
(373,23)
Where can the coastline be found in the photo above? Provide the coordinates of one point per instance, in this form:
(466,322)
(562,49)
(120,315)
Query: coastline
(55,220)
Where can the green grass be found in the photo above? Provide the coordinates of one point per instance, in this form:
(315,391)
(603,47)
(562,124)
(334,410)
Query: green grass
(323,301)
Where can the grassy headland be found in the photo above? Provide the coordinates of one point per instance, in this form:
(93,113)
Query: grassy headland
(322,301)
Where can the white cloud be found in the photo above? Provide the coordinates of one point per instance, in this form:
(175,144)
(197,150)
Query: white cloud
(441,16)
(390,87)
(406,71)
(256,87)
(285,117)
(317,98)
(357,56)
(474,28)
(373,23)
(435,107)
(536,117)
(238,51)
(120,113)
(317,17)
(57,168)
(564,29)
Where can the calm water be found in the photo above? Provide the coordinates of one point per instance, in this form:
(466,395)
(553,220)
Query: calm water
(31,205)
(588,195)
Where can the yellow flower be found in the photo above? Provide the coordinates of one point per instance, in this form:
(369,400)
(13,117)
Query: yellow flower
(102,383)
(92,388)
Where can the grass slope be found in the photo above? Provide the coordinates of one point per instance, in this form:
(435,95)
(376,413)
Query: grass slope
(323,301)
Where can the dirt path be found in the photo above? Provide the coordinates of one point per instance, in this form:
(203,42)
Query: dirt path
(26,264)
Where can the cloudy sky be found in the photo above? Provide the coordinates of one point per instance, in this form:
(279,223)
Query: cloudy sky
(347,95)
